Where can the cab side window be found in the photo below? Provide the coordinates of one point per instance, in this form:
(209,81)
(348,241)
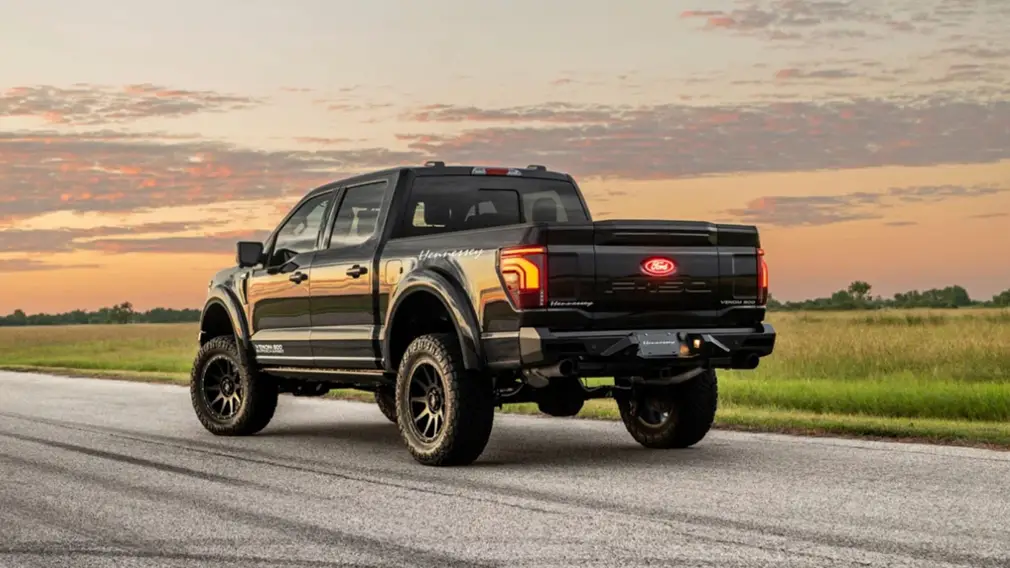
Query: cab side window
(299,234)
(358,216)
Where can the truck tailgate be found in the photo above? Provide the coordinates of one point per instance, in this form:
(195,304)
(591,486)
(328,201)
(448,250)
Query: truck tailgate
(645,274)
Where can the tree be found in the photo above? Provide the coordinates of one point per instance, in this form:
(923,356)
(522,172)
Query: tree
(121,313)
(1002,299)
(18,318)
(773,303)
(860,290)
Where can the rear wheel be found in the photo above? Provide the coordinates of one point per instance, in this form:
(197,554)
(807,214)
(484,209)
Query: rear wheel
(445,413)
(229,398)
(676,416)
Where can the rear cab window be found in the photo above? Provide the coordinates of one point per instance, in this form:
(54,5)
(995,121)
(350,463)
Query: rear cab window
(443,204)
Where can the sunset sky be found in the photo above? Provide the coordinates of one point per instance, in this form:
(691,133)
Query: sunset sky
(866,139)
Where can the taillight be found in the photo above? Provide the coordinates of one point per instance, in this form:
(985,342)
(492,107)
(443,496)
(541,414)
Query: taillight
(762,278)
(523,270)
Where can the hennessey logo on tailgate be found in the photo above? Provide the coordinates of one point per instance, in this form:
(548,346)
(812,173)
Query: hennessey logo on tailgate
(565,304)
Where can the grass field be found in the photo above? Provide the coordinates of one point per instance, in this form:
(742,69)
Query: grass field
(938,375)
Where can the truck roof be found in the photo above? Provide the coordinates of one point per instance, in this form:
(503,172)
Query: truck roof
(435,168)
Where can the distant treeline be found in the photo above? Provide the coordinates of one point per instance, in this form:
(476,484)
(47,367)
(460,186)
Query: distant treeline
(120,313)
(856,297)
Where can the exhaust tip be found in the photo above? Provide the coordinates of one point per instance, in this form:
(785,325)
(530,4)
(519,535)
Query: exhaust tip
(752,360)
(567,367)
(747,361)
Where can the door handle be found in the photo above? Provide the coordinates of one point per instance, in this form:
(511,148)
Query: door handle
(298,277)
(356,270)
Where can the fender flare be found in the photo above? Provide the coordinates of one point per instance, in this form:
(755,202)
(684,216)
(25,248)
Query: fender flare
(226,299)
(453,300)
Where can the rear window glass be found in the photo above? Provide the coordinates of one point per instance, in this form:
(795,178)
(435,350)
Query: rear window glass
(442,204)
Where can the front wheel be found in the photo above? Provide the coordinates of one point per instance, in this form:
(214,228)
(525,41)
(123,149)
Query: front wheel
(229,398)
(676,416)
(444,412)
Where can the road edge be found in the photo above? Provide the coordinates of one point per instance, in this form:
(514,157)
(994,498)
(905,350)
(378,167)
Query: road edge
(986,436)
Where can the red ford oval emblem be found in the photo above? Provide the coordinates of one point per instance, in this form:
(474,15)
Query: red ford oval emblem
(658,266)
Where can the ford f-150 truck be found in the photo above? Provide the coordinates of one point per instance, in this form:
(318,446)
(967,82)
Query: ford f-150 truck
(448,291)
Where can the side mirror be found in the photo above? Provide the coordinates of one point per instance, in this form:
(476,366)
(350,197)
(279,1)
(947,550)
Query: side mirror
(249,253)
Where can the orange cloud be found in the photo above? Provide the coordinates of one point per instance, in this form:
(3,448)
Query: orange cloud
(322,140)
(700,13)
(794,73)
(790,211)
(671,141)
(32,265)
(108,171)
(720,22)
(222,243)
(828,22)
(68,240)
(95,105)
(558,113)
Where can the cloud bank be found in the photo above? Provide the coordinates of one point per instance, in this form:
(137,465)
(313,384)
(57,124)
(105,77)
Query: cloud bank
(92,105)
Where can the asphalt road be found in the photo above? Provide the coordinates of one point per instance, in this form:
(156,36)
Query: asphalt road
(110,473)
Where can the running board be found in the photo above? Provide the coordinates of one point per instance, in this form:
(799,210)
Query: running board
(336,376)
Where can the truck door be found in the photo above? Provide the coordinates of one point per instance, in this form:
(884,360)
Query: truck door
(277,294)
(343,304)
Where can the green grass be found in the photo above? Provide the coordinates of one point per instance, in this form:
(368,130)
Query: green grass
(153,348)
(896,396)
(926,374)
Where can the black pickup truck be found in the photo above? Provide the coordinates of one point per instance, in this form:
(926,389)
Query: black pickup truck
(450,290)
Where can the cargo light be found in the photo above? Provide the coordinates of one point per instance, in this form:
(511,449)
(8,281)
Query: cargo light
(496,172)
(523,270)
(762,276)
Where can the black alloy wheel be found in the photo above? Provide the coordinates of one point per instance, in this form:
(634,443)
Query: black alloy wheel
(653,411)
(222,388)
(445,412)
(427,402)
(676,416)
(229,398)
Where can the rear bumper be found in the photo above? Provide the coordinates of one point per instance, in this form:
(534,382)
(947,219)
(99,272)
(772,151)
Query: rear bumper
(642,352)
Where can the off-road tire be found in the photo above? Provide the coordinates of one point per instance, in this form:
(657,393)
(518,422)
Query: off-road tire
(561,397)
(385,398)
(692,406)
(259,392)
(468,403)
